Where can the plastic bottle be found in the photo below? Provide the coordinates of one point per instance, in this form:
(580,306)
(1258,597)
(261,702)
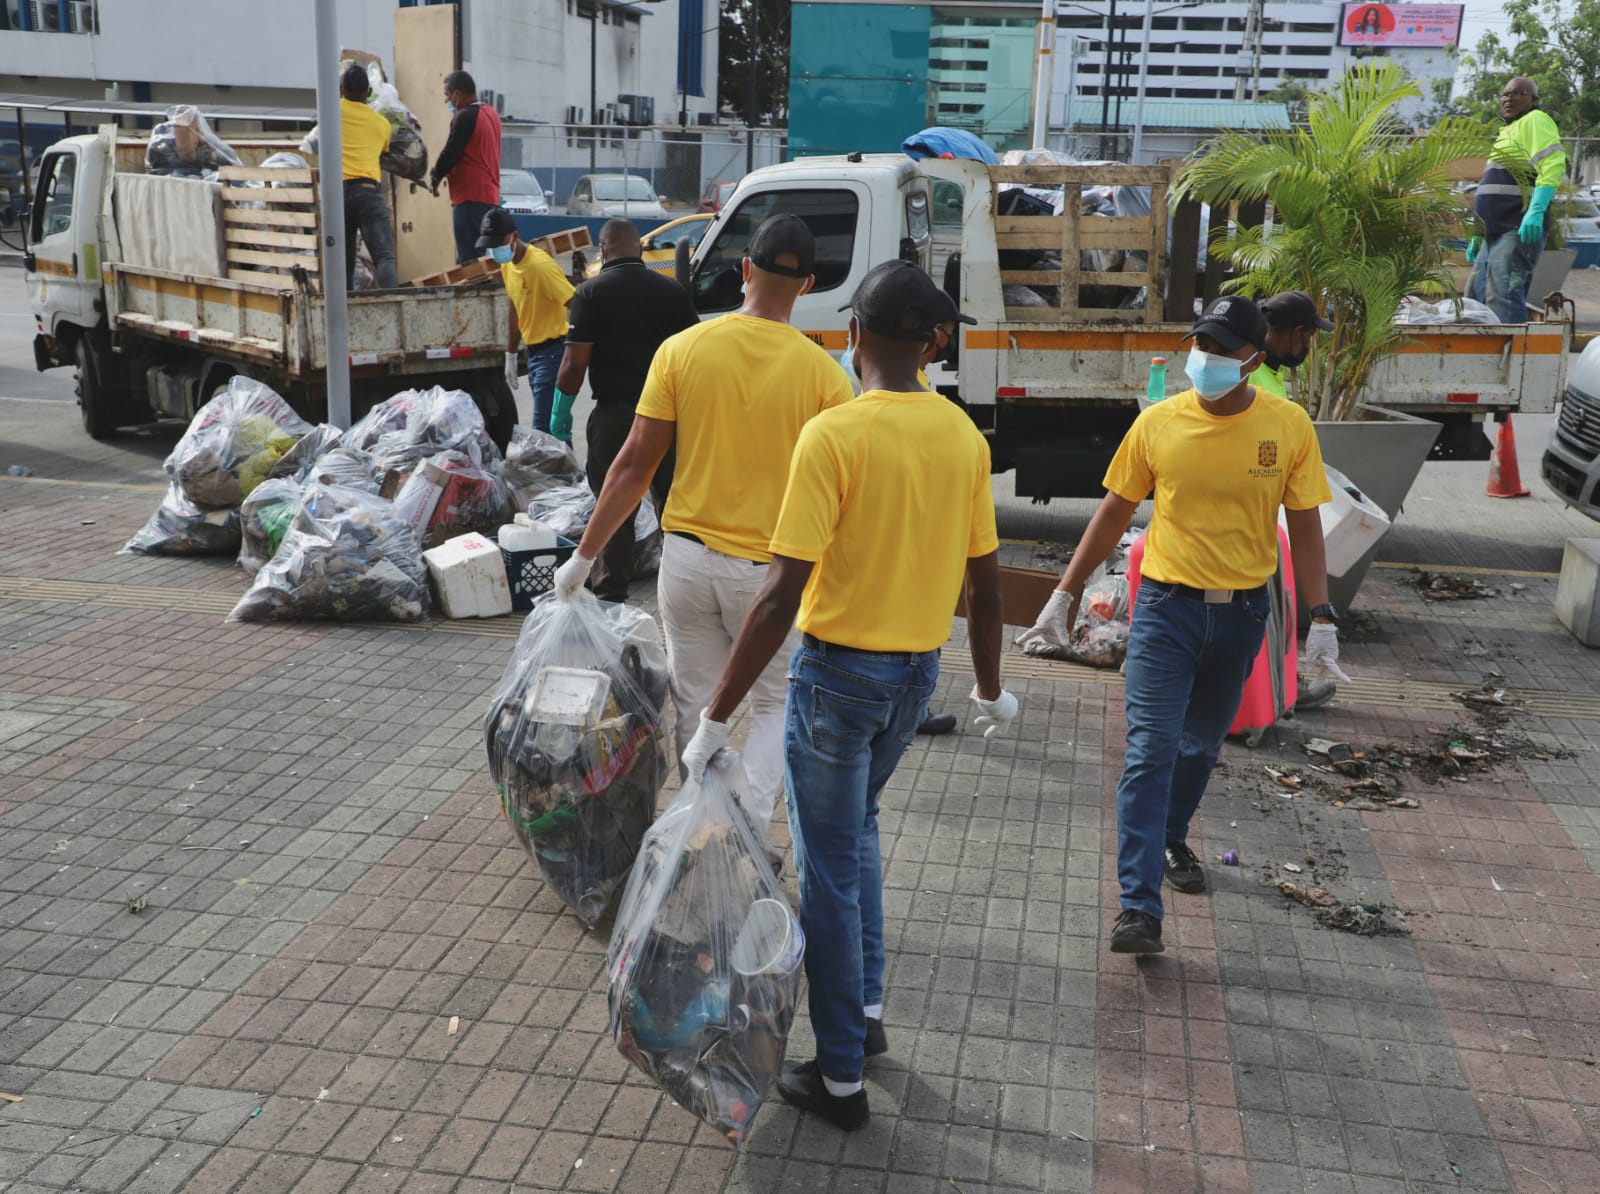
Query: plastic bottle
(1156,390)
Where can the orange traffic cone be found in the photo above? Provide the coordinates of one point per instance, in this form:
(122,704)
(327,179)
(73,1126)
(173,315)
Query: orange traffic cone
(1505,478)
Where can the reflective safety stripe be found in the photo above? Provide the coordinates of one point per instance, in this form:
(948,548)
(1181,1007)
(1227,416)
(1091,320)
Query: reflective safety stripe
(1499,188)
(1547,151)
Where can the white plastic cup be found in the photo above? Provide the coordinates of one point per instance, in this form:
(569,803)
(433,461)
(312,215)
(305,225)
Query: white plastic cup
(769,941)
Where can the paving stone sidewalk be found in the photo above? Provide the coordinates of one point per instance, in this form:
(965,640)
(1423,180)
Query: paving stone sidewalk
(326,880)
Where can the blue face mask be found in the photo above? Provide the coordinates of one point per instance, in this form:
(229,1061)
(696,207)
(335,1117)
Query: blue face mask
(1212,375)
(451,104)
(847,361)
(502,254)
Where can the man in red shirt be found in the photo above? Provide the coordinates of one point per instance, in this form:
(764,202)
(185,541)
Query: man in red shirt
(470,160)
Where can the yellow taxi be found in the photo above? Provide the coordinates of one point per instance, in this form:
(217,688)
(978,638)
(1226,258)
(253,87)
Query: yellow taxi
(661,246)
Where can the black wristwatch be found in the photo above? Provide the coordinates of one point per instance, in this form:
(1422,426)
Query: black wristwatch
(1327,610)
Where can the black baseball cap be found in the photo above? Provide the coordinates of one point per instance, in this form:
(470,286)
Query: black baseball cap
(898,301)
(1233,322)
(1294,309)
(780,236)
(497,225)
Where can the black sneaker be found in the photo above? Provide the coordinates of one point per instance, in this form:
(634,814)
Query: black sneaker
(938,723)
(1136,933)
(801,1085)
(1184,871)
(877,1038)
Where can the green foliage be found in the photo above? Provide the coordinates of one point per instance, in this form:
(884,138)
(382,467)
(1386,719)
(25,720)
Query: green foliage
(771,51)
(1360,211)
(1556,43)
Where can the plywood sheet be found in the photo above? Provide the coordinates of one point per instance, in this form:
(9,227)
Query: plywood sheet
(427,47)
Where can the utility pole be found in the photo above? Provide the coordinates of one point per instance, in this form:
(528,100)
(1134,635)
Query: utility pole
(1144,73)
(1252,37)
(751,39)
(330,152)
(1044,73)
(594,117)
(1105,80)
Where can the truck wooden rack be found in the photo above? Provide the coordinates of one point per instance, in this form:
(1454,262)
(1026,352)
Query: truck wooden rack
(271,224)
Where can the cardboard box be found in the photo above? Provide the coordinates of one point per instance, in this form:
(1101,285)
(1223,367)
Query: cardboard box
(1023,592)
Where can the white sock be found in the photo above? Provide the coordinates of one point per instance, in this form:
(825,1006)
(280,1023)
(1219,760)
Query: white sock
(874,1011)
(841,1090)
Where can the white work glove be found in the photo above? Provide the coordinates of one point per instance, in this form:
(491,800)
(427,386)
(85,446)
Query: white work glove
(997,714)
(1322,650)
(512,376)
(711,737)
(571,575)
(1053,627)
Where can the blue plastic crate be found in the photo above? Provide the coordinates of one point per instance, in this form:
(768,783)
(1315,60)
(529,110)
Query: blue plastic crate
(531,573)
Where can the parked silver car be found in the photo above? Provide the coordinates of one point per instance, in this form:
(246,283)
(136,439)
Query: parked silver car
(615,195)
(521,193)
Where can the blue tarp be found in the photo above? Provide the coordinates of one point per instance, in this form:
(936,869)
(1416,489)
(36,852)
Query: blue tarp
(939,142)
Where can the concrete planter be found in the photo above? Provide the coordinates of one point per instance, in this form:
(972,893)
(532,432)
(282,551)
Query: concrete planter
(1381,451)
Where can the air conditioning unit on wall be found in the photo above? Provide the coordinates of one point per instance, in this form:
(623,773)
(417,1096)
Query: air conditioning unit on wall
(637,109)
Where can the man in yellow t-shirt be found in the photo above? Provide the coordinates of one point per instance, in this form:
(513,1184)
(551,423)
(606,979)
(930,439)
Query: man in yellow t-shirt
(730,395)
(1221,459)
(539,294)
(888,515)
(363,136)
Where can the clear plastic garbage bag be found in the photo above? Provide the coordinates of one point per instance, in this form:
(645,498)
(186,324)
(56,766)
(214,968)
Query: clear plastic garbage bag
(297,461)
(184,145)
(577,744)
(347,556)
(403,431)
(704,965)
(181,528)
(537,461)
(1099,637)
(234,443)
(450,494)
(407,156)
(264,519)
(567,509)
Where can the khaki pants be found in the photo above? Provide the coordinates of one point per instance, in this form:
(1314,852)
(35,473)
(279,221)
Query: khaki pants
(703,597)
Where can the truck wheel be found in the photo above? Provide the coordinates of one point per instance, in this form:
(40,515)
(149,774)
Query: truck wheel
(94,398)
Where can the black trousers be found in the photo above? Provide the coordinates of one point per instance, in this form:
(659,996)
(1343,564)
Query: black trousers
(609,424)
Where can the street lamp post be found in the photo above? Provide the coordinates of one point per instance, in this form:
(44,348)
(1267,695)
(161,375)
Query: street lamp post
(1044,72)
(751,36)
(1144,74)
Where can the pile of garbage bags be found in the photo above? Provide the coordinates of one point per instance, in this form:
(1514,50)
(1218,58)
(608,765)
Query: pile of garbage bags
(184,146)
(1418,312)
(232,445)
(577,743)
(347,554)
(704,963)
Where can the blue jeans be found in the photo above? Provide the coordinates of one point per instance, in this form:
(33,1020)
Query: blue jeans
(1501,275)
(1187,664)
(850,716)
(466,220)
(544,362)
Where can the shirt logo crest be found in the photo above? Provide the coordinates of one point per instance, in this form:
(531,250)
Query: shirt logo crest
(1267,453)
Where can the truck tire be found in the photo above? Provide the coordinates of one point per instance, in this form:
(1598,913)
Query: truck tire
(96,401)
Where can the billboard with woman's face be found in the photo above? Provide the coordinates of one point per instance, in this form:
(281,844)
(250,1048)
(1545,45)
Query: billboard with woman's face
(1423,26)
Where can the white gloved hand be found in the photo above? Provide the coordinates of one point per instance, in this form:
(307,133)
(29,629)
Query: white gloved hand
(512,376)
(711,737)
(571,575)
(1053,627)
(1322,650)
(996,714)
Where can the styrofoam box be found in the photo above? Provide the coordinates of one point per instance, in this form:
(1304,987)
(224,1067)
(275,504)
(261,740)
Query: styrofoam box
(469,577)
(1352,524)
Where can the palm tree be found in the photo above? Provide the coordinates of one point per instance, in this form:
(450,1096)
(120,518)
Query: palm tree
(1361,210)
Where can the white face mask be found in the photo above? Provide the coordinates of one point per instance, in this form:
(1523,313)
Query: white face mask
(1212,375)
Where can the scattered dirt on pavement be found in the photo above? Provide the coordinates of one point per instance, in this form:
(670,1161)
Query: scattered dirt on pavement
(1443,586)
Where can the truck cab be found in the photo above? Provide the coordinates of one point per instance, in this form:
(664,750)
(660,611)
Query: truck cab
(64,249)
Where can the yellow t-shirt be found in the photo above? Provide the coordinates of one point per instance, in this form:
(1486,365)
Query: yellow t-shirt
(1218,483)
(363,135)
(889,495)
(739,389)
(540,292)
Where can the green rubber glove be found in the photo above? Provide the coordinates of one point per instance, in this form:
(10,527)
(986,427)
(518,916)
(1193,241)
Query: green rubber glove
(1474,247)
(561,416)
(1532,230)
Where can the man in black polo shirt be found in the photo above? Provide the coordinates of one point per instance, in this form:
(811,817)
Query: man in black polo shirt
(618,320)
